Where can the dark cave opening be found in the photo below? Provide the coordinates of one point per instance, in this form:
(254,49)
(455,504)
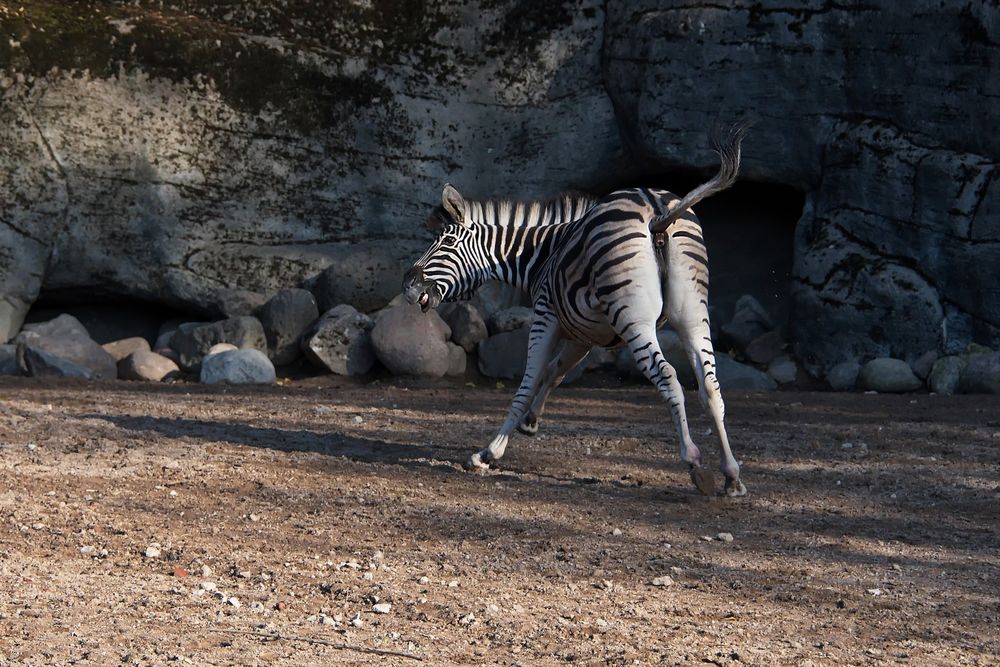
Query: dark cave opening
(108,319)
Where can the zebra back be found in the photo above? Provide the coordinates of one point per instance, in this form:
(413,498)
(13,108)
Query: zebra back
(565,207)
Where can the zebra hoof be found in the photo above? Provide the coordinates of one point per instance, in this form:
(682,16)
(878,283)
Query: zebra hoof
(735,488)
(703,479)
(476,462)
(528,426)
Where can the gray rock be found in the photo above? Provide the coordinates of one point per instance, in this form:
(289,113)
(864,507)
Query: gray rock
(981,375)
(510,319)
(245,366)
(923,364)
(890,376)
(63,356)
(734,376)
(457,360)
(238,302)
(783,370)
(409,342)
(120,349)
(285,317)
(192,341)
(674,353)
(340,341)
(220,347)
(37,362)
(62,326)
(843,376)
(106,322)
(8,360)
(749,322)
(504,355)
(467,325)
(146,365)
(765,348)
(946,374)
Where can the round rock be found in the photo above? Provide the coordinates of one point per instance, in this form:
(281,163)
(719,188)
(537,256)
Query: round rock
(146,365)
(238,367)
(890,376)
(410,342)
(285,317)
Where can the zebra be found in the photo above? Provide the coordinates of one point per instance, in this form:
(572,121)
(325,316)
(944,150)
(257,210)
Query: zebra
(611,277)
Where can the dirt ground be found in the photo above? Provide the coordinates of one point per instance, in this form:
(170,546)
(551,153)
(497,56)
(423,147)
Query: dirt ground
(144,524)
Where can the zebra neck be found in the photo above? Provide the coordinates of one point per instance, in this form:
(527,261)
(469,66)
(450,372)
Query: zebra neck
(522,253)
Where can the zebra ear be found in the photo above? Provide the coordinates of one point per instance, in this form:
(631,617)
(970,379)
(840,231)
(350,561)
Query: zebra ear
(453,203)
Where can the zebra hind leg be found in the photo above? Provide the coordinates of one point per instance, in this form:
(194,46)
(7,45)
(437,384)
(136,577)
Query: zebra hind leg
(649,359)
(566,360)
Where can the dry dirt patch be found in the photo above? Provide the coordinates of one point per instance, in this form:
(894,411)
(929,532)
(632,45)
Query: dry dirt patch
(145,524)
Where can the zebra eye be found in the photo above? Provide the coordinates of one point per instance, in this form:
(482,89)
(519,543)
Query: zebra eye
(449,240)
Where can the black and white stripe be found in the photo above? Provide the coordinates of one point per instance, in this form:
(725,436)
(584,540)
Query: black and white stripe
(635,260)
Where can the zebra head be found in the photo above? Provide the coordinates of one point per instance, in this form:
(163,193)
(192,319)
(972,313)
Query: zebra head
(453,265)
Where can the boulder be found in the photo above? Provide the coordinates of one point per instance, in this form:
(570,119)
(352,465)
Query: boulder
(8,360)
(890,376)
(106,322)
(765,348)
(946,374)
(843,376)
(410,342)
(120,349)
(981,374)
(285,317)
(237,302)
(749,322)
(504,355)
(62,326)
(244,366)
(922,365)
(220,347)
(783,370)
(457,360)
(467,325)
(192,341)
(146,365)
(734,376)
(67,354)
(510,319)
(341,342)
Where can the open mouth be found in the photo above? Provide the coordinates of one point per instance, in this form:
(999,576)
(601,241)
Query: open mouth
(425,300)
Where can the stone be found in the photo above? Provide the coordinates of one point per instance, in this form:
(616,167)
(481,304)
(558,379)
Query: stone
(467,325)
(783,370)
(8,360)
(192,341)
(243,366)
(734,376)
(410,342)
(922,365)
(237,302)
(220,347)
(504,355)
(146,365)
(457,360)
(120,349)
(106,322)
(890,376)
(60,327)
(749,321)
(510,319)
(946,374)
(981,374)
(285,317)
(843,376)
(341,342)
(68,355)
(765,348)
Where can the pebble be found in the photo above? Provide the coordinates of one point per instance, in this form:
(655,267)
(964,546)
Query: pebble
(257,605)
(206,571)
(424,580)
(663,581)
(875,591)
(234,602)
(616,532)
(38,526)
(467,619)
(382,608)
(208,586)
(327,620)
(676,571)
(152,551)
(358,419)
(707,538)
(87,550)
(356,621)
(725,537)
(453,583)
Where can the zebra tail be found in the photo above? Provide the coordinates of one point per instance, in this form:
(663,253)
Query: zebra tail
(726,143)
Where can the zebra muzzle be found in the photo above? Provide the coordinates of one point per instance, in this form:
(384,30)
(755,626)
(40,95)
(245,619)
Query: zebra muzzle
(420,291)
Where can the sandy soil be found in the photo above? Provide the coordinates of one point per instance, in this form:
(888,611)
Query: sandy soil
(145,524)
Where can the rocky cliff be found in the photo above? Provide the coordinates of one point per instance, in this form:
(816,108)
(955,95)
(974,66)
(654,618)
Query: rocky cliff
(173,150)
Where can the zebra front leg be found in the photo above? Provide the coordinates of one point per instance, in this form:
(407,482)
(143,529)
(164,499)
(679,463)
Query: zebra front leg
(542,341)
(567,359)
(648,357)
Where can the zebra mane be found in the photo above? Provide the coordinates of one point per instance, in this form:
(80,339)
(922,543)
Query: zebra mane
(503,211)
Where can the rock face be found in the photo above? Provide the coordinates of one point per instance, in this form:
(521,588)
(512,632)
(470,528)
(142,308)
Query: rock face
(237,367)
(409,342)
(143,158)
(285,317)
(341,341)
(8,360)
